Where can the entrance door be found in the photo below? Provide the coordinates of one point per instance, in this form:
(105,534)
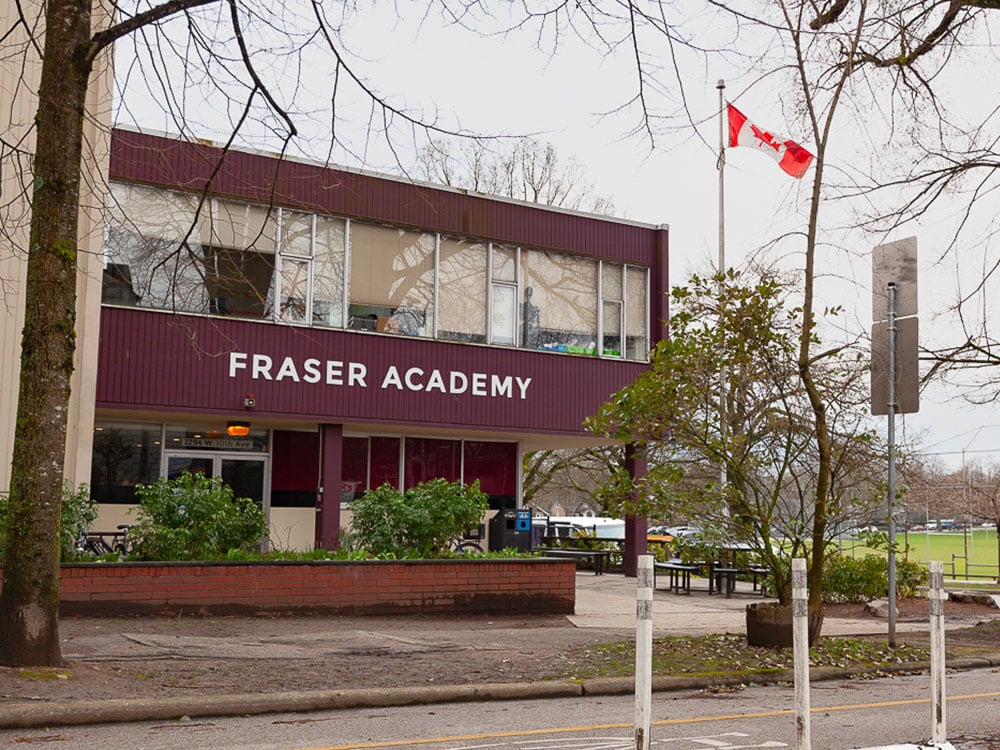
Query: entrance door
(247,475)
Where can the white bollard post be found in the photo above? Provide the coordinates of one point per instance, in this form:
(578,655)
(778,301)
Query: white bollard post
(643,651)
(936,594)
(800,645)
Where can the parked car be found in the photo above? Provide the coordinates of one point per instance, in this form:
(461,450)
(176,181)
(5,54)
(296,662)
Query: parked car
(683,532)
(988,525)
(918,527)
(658,531)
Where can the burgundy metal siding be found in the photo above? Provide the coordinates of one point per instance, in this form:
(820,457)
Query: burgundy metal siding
(157,361)
(169,163)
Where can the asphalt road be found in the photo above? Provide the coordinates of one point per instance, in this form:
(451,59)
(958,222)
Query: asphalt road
(847,714)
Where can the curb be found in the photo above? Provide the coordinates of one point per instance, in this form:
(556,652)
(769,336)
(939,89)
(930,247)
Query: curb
(122,710)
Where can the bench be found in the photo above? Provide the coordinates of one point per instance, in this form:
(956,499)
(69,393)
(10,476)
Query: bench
(759,574)
(718,573)
(680,575)
(599,557)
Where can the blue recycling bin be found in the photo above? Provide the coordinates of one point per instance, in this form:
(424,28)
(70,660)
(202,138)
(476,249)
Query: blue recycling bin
(511,529)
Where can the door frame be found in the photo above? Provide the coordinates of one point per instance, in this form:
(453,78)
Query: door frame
(217,458)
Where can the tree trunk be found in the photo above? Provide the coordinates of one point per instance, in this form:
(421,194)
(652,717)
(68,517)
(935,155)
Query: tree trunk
(29,605)
(814,577)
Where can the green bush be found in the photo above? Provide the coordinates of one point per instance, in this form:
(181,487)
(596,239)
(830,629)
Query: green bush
(193,517)
(418,523)
(78,511)
(855,580)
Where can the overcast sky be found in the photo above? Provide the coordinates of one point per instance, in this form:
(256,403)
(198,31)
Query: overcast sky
(506,85)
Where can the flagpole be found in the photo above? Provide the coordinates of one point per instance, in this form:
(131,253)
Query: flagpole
(721,86)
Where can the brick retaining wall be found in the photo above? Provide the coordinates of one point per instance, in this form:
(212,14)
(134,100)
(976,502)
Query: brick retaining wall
(335,587)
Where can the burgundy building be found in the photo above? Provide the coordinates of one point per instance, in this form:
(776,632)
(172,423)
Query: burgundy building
(358,328)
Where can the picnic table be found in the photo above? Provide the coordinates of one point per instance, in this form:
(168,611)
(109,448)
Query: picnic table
(598,557)
(680,574)
(721,577)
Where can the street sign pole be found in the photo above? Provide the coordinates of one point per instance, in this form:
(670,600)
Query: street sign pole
(891,492)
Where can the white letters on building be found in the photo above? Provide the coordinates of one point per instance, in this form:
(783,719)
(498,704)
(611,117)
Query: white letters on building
(413,379)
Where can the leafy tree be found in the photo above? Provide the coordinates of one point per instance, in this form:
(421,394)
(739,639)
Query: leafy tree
(421,522)
(724,391)
(194,517)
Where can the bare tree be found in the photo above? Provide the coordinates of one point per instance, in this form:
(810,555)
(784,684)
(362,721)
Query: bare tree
(522,168)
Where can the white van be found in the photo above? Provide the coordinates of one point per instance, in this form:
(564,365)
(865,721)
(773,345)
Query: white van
(568,526)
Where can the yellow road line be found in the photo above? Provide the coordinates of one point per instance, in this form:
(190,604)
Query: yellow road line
(659,723)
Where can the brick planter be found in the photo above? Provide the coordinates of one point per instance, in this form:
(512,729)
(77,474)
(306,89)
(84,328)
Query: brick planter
(534,586)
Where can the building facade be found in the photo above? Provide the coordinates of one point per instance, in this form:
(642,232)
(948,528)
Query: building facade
(309,333)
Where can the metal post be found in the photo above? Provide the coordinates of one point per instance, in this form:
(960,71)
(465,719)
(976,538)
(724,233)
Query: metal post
(936,595)
(891,414)
(723,412)
(643,650)
(800,647)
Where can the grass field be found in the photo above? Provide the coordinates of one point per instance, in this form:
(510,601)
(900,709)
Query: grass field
(952,548)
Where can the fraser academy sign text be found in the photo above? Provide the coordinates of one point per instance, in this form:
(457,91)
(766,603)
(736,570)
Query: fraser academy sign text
(355,375)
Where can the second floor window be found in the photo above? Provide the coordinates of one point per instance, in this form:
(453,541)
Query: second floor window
(200,254)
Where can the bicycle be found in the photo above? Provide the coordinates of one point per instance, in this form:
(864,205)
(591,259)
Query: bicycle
(466,546)
(96,542)
(468,543)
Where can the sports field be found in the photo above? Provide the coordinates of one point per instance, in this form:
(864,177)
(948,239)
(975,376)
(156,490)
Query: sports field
(970,554)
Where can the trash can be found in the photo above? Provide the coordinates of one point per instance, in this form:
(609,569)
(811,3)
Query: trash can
(511,529)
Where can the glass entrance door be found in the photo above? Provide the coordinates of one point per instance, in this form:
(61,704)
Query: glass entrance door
(247,475)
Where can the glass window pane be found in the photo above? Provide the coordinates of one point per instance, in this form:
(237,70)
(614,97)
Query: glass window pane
(611,281)
(296,233)
(214,438)
(392,279)
(177,466)
(504,263)
(462,291)
(432,459)
(124,455)
(494,465)
(242,226)
(504,316)
(294,289)
(246,477)
(561,291)
(612,329)
(328,273)
(353,469)
(239,282)
(153,255)
(636,322)
(384,461)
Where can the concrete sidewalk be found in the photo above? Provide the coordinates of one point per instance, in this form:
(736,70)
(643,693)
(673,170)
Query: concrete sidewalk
(605,611)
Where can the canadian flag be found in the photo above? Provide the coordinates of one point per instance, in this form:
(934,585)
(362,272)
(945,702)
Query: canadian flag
(790,156)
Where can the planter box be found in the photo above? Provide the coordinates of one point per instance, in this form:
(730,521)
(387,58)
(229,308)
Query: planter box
(769,624)
(525,586)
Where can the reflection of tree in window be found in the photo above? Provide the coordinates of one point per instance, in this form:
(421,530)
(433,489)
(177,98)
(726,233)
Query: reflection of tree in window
(531,320)
(565,291)
(121,458)
(462,290)
(238,281)
(392,270)
(153,272)
(294,288)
